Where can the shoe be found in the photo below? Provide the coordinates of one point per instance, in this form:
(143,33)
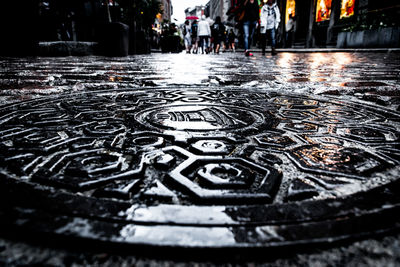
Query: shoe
(273,52)
(248,54)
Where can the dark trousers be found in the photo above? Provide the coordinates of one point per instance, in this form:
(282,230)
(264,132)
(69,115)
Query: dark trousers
(203,42)
(270,34)
(289,38)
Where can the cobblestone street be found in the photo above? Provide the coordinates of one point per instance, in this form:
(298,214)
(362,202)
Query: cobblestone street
(372,77)
(225,157)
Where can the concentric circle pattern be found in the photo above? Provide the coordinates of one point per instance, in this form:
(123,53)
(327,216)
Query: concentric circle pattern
(203,168)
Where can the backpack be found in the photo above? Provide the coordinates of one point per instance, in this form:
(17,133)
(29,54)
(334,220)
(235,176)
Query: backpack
(271,11)
(215,29)
(194,30)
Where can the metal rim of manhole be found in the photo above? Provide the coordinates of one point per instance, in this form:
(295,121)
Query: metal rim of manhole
(199,168)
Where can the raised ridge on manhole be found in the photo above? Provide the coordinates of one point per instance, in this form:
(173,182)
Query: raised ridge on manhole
(205,168)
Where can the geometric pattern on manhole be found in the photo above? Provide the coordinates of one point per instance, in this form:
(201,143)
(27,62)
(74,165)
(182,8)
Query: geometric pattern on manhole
(199,168)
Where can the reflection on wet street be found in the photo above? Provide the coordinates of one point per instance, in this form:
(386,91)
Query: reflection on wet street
(374,75)
(212,151)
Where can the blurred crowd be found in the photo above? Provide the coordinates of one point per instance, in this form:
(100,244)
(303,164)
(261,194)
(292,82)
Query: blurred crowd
(254,25)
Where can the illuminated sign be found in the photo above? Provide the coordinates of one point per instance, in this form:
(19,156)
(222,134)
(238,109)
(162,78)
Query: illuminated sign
(323,10)
(347,9)
(290,9)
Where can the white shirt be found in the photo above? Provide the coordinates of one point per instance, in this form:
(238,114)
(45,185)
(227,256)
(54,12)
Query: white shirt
(187,31)
(204,29)
(290,25)
(270,17)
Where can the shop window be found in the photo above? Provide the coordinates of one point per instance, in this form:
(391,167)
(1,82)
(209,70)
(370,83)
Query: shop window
(323,10)
(347,9)
(290,9)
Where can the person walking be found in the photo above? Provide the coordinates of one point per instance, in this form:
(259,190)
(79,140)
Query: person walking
(270,19)
(218,33)
(290,28)
(195,38)
(204,32)
(250,21)
(231,40)
(187,36)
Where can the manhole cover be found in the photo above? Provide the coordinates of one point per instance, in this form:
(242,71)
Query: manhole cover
(200,117)
(202,168)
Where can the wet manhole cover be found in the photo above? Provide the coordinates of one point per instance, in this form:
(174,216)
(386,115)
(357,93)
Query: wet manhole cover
(203,168)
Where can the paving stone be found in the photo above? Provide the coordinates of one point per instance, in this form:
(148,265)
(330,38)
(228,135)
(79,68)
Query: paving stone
(245,168)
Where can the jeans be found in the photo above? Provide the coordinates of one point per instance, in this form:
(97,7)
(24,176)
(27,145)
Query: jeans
(289,38)
(271,35)
(203,43)
(248,29)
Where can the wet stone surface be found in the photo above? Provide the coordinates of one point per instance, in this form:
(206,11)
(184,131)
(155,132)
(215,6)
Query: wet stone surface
(195,166)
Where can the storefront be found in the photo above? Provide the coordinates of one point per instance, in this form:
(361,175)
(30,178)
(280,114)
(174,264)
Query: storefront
(323,10)
(317,21)
(299,11)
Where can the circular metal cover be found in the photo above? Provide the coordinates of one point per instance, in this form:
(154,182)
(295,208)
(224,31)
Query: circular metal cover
(204,168)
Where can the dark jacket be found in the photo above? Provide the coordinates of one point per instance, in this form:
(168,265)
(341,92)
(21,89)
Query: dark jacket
(218,30)
(252,11)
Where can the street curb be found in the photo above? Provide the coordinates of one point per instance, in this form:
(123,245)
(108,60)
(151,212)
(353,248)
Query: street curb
(71,48)
(317,50)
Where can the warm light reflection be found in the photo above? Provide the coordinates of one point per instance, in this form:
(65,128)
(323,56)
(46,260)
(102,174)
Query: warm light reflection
(317,60)
(290,9)
(320,64)
(285,60)
(347,9)
(341,60)
(323,10)
(329,156)
(317,63)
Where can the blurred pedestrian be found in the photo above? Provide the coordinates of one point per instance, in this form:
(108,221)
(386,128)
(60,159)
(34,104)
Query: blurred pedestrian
(290,28)
(250,21)
(204,33)
(217,33)
(195,38)
(187,36)
(231,40)
(270,19)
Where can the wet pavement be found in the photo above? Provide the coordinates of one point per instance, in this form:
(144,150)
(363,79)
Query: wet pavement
(211,152)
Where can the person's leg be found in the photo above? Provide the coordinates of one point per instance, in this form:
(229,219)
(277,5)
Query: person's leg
(253,25)
(267,37)
(272,36)
(246,33)
(205,44)
(273,42)
(263,42)
(196,44)
(286,39)
(187,44)
(290,38)
(202,44)
(252,29)
(217,46)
